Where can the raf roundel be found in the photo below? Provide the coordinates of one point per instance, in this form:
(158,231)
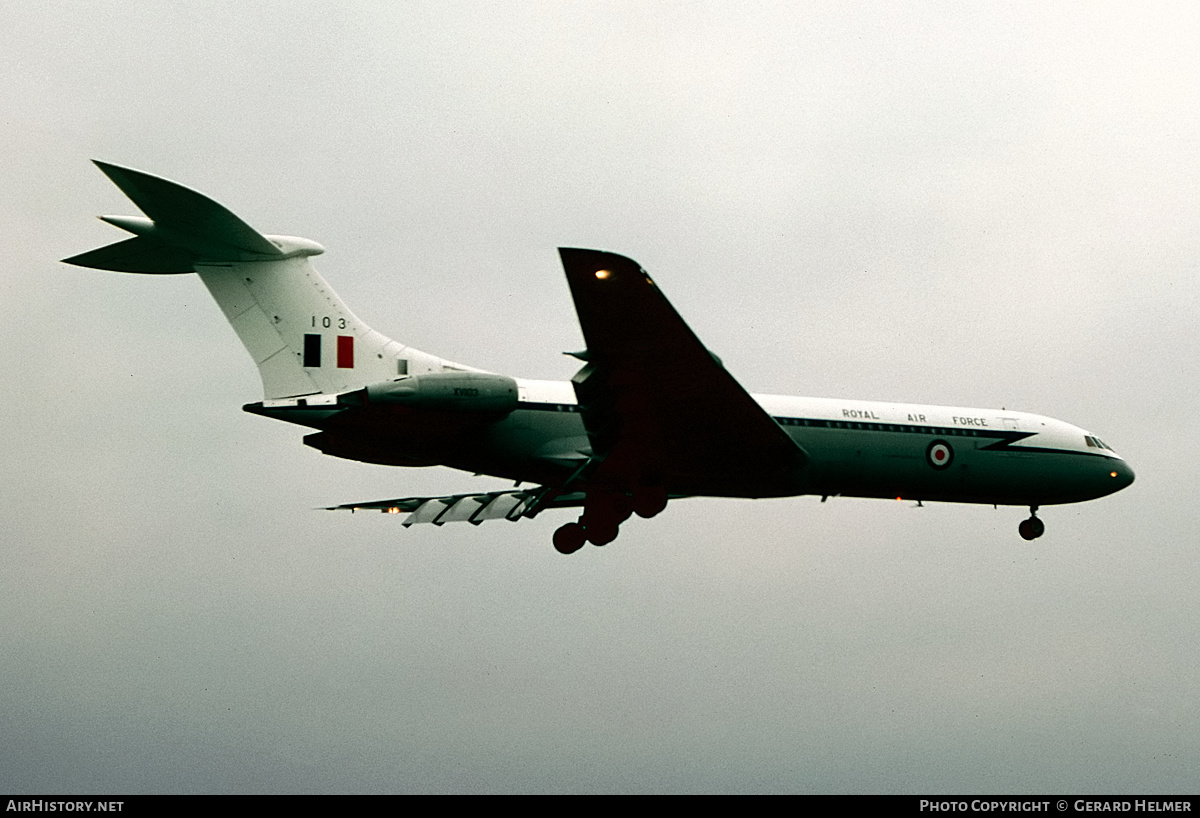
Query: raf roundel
(939,454)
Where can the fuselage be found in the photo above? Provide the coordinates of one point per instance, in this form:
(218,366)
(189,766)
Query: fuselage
(854,448)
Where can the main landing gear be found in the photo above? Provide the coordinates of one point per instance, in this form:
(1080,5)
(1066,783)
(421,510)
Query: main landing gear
(603,515)
(1032,528)
(570,538)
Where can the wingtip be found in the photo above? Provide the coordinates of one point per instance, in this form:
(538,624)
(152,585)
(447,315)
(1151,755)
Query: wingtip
(124,178)
(108,168)
(583,256)
(119,174)
(128,179)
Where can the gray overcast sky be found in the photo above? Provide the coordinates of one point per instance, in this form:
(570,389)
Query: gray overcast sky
(971,204)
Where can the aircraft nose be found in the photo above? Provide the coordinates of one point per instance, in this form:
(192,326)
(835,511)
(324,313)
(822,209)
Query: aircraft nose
(1120,474)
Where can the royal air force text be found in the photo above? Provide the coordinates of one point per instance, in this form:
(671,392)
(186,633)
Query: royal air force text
(867,414)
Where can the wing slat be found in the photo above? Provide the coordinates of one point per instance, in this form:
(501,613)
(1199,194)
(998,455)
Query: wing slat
(470,508)
(428,512)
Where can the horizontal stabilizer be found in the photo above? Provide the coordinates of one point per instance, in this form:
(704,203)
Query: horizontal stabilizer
(136,255)
(176,207)
(184,228)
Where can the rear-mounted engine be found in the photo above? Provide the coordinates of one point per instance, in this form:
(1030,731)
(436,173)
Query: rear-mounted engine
(454,391)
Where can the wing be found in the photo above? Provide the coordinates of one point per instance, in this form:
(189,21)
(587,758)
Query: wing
(661,409)
(470,508)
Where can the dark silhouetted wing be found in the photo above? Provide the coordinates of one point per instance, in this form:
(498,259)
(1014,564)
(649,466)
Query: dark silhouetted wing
(659,408)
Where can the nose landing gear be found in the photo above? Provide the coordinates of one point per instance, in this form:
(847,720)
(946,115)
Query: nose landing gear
(1032,528)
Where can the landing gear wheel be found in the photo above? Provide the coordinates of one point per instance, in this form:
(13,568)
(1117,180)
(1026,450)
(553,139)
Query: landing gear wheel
(1032,528)
(603,513)
(601,534)
(569,538)
(649,502)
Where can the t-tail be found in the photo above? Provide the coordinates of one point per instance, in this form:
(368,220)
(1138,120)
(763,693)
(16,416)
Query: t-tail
(302,337)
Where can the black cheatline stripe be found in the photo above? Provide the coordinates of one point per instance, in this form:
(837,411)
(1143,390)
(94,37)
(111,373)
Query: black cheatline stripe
(548,407)
(1045,450)
(1005,437)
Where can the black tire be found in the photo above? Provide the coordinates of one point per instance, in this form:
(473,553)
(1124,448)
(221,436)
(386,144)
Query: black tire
(649,502)
(601,534)
(1032,528)
(569,538)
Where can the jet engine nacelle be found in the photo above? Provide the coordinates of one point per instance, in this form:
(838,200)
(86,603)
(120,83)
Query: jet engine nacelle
(455,391)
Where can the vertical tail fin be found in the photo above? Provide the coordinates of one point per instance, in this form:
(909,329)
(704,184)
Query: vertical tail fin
(302,337)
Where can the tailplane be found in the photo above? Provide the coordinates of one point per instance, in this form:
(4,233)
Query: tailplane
(302,337)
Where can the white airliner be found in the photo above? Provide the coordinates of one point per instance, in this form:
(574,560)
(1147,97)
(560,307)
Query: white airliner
(651,416)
